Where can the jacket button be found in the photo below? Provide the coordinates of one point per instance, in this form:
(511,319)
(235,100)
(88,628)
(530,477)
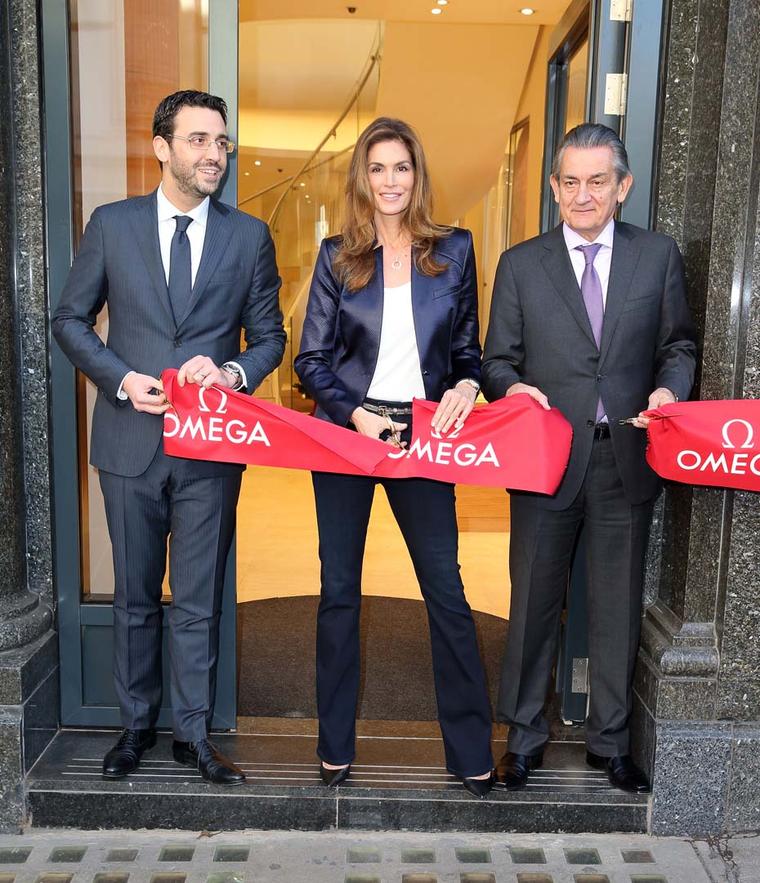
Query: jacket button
(599,377)
(426,373)
(590,423)
(177,342)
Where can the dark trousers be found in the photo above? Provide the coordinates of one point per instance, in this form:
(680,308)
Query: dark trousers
(425,513)
(197,517)
(541,547)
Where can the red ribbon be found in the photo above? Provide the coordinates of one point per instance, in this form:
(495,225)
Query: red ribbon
(712,443)
(512,443)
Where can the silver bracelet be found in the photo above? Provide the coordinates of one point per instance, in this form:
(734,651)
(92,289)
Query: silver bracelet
(470,382)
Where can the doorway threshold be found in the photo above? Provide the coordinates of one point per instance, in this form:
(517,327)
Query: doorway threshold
(398,782)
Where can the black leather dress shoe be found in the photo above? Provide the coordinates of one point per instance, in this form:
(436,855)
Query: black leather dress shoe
(332,778)
(124,757)
(621,771)
(512,770)
(213,766)
(480,787)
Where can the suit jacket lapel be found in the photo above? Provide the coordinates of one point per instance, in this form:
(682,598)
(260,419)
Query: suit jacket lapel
(422,295)
(625,257)
(369,301)
(144,223)
(215,243)
(556,263)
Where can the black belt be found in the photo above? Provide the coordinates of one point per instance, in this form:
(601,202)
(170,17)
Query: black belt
(601,431)
(388,409)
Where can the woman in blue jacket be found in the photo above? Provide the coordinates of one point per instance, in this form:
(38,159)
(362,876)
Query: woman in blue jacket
(392,315)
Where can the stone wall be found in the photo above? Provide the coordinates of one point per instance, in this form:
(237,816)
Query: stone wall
(28,652)
(698,679)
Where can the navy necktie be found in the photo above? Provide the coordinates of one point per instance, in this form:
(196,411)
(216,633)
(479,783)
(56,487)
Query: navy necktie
(180,273)
(591,289)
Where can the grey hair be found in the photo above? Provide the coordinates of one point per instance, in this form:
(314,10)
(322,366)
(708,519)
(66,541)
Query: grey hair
(589,135)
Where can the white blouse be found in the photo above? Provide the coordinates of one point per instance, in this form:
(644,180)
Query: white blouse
(398,376)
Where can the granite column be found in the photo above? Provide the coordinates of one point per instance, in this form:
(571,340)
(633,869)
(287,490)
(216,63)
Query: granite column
(698,685)
(28,657)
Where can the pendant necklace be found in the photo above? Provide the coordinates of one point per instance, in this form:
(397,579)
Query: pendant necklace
(397,263)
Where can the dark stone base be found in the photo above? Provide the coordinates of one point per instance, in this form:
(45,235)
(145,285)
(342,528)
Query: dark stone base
(398,782)
(704,771)
(28,720)
(706,777)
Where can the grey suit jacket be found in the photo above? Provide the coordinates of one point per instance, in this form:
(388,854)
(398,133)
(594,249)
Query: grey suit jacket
(539,333)
(119,264)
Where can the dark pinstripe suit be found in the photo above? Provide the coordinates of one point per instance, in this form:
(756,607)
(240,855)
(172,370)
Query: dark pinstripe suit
(149,496)
(539,333)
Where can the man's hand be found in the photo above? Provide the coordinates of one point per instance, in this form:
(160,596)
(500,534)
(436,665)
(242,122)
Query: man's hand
(373,425)
(661,396)
(203,371)
(533,391)
(454,408)
(146,393)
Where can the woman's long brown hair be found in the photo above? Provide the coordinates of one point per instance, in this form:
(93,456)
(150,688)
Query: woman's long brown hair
(354,262)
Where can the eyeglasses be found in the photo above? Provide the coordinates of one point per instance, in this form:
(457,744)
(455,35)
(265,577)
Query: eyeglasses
(203,142)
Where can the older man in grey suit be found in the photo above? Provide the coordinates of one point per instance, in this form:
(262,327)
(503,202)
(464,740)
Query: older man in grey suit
(181,274)
(590,318)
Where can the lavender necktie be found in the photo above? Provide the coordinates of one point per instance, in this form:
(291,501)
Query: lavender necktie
(591,289)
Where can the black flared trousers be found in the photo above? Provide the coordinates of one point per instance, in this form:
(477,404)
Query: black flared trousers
(425,513)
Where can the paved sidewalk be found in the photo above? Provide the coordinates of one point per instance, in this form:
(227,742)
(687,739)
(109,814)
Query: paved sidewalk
(55,856)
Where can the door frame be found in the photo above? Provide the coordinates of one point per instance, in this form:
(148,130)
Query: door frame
(80,622)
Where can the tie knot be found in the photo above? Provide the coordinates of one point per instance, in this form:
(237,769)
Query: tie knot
(589,251)
(183,222)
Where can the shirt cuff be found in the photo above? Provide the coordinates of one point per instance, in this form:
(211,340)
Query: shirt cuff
(243,379)
(120,394)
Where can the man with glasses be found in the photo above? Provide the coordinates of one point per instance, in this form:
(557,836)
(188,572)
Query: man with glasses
(182,275)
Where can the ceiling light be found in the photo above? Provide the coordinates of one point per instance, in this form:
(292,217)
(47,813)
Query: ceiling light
(257,162)
(526,10)
(437,10)
(246,173)
(443,2)
(303,183)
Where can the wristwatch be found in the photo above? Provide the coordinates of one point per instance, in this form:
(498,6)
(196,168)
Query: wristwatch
(232,368)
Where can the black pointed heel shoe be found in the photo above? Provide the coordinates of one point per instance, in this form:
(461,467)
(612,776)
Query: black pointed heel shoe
(480,788)
(333,778)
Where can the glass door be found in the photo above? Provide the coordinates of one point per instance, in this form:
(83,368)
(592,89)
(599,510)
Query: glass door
(107,65)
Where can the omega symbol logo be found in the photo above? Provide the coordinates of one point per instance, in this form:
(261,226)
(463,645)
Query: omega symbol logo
(748,437)
(202,406)
(452,433)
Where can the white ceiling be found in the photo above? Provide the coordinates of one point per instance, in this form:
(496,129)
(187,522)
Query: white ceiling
(304,65)
(547,12)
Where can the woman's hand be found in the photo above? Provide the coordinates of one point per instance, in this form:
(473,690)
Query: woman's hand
(454,407)
(373,425)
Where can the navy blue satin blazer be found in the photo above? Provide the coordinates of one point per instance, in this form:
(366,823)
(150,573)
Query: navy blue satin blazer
(341,332)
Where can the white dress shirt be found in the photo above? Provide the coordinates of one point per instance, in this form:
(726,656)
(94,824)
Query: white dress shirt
(603,258)
(397,377)
(196,234)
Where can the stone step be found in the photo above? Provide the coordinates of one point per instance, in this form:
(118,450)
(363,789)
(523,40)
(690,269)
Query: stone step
(398,782)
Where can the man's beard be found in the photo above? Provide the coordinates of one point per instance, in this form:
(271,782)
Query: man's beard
(190,184)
